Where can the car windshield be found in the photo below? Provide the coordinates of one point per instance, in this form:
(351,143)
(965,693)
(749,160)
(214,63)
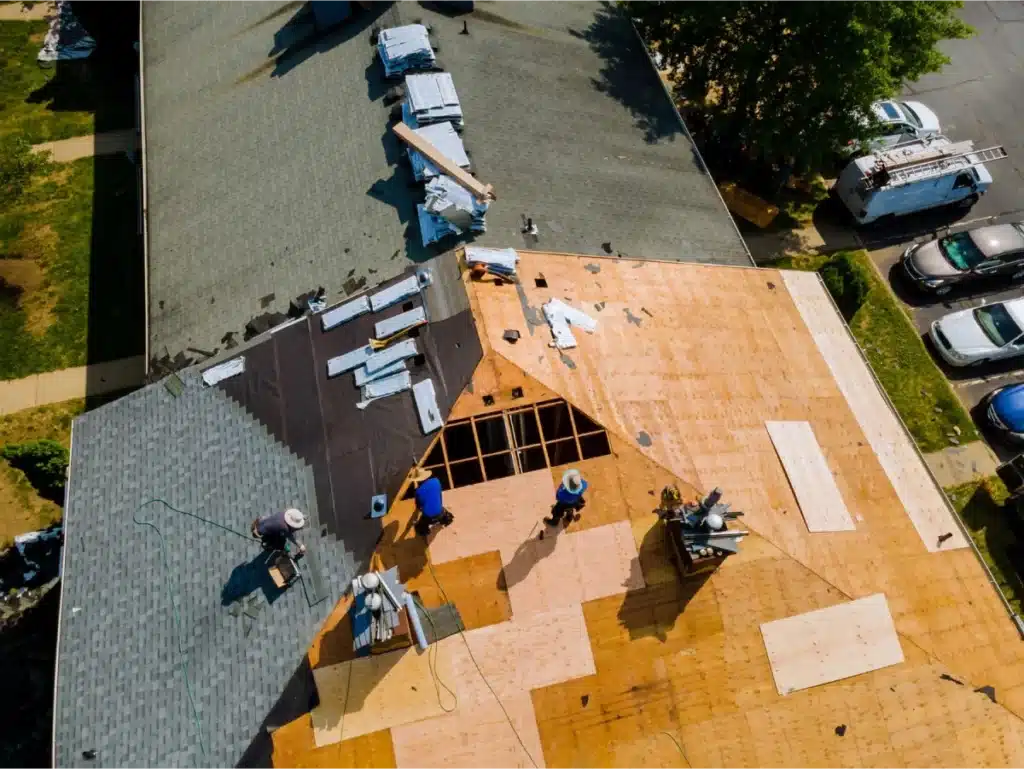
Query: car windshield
(912,115)
(997,324)
(890,110)
(960,250)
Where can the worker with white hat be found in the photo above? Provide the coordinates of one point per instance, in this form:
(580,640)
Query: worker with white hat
(429,504)
(277,530)
(568,499)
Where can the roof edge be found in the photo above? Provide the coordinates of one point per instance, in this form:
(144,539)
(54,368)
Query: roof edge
(60,603)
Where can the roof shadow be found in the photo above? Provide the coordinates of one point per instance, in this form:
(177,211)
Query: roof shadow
(627,75)
(298,39)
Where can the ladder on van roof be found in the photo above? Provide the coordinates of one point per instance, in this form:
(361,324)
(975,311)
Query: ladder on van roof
(934,163)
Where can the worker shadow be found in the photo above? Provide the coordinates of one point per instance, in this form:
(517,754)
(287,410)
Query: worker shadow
(249,577)
(535,548)
(402,547)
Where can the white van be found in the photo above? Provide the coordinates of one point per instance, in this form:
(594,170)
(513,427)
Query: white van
(916,176)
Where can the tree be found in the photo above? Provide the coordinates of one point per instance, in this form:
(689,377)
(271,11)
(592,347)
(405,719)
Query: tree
(45,464)
(786,82)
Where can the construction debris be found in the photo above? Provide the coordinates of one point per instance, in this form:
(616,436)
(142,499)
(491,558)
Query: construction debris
(403,49)
(498,261)
(448,142)
(431,98)
(698,532)
(560,316)
(377,614)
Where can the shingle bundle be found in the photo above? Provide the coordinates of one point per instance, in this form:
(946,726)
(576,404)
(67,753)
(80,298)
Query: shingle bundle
(444,137)
(431,99)
(405,48)
(449,210)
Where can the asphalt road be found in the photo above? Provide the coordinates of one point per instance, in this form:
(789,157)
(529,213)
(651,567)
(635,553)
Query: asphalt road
(978,96)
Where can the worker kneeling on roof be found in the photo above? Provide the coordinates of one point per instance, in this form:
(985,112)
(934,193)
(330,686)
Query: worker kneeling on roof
(428,503)
(277,530)
(568,499)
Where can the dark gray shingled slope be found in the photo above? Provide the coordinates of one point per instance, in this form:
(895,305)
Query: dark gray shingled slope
(120,688)
(273,176)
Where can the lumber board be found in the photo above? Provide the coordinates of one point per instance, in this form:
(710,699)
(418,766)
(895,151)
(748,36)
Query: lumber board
(812,481)
(424,146)
(831,644)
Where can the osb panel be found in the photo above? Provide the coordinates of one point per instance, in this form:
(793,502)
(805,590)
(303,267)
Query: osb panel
(830,644)
(567,568)
(497,377)
(923,502)
(697,387)
(480,736)
(380,691)
(496,515)
(475,585)
(294,747)
(333,642)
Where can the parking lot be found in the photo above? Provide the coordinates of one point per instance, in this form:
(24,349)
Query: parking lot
(977,97)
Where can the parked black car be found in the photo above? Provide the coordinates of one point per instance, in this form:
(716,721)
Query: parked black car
(983,253)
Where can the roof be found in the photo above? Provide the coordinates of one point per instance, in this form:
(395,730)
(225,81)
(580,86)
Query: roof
(281,434)
(269,175)
(686,365)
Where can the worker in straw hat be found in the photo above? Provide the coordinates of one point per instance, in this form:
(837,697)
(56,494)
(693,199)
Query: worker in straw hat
(277,530)
(568,499)
(431,510)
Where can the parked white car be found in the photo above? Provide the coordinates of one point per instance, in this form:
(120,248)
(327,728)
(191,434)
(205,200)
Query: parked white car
(990,332)
(902,121)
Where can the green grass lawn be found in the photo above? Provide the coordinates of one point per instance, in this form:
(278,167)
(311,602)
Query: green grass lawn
(980,505)
(902,363)
(46,104)
(70,270)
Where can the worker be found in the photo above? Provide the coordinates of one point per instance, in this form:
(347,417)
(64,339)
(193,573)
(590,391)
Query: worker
(568,499)
(277,530)
(429,505)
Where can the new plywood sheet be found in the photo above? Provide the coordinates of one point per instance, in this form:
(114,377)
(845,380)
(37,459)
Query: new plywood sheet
(831,644)
(371,693)
(480,736)
(813,483)
(924,502)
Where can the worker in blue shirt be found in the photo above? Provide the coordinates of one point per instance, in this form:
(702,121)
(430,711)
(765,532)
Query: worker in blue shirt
(568,499)
(428,503)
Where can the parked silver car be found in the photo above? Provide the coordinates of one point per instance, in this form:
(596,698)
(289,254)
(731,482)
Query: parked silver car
(983,253)
(981,334)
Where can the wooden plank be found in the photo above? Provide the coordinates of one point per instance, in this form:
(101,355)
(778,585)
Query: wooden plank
(812,481)
(370,693)
(422,145)
(924,503)
(831,644)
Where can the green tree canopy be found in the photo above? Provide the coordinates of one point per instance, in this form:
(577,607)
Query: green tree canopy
(787,81)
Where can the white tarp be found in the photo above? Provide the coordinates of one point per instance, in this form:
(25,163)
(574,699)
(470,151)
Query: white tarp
(560,316)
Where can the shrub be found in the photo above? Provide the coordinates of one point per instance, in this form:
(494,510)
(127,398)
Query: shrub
(44,463)
(18,164)
(845,280)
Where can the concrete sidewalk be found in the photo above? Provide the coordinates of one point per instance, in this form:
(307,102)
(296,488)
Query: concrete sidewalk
(19,12)
(956,465)
(108,143)
(57,386)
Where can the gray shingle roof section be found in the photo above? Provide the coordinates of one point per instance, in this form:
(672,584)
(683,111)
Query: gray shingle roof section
(272,176)
(120,688)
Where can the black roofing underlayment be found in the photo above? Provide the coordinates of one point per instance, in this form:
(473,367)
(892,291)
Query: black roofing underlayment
(355,453)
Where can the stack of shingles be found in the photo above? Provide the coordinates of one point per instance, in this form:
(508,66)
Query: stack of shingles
(431,98)
(445,138)
(449,209)
(403,49)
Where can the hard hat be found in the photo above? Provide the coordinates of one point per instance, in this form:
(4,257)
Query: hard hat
(572,480)
(419,475)
(294,518)
(715,521)
(370,581)
(374,601)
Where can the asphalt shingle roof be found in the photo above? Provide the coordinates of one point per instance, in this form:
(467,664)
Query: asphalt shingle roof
(270,176)
(120,688)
